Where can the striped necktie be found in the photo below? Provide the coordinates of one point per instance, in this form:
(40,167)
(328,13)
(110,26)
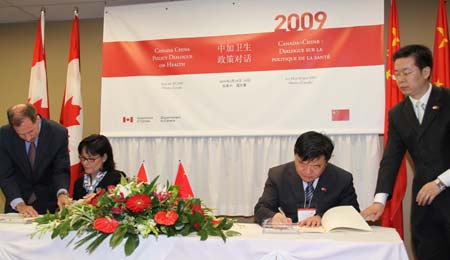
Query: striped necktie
(309,193)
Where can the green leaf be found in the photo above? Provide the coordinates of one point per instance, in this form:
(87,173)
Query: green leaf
(227,223)
(154,181)
(232,233)
(203,234)
(186,230)
(213,232)
(85,239)
(96,242)
(181,205)
(118,236)
(55,233)
(131,244)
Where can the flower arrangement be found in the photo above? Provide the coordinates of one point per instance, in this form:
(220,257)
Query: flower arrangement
(131,211)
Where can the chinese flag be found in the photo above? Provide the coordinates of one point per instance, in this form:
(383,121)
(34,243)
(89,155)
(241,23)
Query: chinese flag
(142,174)
(393,212)
(441,74)
(340,114)
(71,111)
(182,180)
(37,92)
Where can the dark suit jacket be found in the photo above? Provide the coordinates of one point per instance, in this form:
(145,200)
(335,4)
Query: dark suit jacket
(111,178)
(428,144)
(52,166)
(284,188)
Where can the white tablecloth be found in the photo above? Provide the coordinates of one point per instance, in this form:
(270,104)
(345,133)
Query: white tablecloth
(382,243)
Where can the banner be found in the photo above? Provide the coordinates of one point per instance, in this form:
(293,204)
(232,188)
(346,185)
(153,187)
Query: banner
(243,69)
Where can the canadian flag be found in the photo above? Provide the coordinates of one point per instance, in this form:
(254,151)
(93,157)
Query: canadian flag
(37,92)
(182,180)
(142,174)
(71,110)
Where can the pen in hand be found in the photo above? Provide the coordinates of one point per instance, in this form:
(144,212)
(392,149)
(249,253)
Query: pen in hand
(282,219)
(281,211)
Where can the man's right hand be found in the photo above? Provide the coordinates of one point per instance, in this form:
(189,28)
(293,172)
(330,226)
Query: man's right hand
(26,210)
(373,212)
(279,218)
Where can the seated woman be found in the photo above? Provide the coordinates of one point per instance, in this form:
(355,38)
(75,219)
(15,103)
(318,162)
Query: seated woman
(98,164)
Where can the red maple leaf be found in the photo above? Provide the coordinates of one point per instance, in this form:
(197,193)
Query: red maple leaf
(43,111)
(70,113)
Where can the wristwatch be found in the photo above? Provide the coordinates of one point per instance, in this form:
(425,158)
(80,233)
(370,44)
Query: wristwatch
(440,184)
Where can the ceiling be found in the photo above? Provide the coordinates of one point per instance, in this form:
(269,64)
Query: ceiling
(19,11)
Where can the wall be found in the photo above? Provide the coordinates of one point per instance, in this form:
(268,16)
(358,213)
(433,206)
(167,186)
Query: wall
(16,51)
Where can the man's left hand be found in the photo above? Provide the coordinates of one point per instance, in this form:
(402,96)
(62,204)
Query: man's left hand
(314,221)
(63,199)
(427,193)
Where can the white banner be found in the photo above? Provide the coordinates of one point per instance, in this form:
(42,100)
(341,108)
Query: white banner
(198,68)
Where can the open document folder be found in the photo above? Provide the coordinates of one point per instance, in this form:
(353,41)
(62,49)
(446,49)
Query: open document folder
(337,218)
(340,218)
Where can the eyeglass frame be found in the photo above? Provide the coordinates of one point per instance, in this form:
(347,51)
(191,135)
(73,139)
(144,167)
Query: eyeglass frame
(90,160)
(404,73)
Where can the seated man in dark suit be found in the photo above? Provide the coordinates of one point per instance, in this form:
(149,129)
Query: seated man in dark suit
(34,162)
(306,187)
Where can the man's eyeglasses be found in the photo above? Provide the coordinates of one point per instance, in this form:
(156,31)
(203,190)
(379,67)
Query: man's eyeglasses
(91,159)
(404,73)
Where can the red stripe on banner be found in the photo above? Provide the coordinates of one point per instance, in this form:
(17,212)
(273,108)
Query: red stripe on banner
(336,47)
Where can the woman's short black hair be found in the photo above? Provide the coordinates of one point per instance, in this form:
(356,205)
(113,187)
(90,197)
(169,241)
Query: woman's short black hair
(98,145)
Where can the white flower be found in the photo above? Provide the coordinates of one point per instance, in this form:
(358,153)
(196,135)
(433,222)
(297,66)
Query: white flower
(124,189)
(161,188)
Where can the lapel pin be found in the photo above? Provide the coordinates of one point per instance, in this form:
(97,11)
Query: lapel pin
(435,107)
(323,189)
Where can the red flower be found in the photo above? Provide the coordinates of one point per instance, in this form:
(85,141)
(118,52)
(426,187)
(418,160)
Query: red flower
(106,225)
(117,199)
(139,203)
(117,210)
(197,208)
(215,222)
(111,188)
(94,201)
(98,194)
(197,225)
(166,218)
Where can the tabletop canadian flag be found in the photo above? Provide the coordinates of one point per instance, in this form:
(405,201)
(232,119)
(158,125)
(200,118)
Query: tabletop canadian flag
(441,70)
(38,92)
(71,110)
(182,180)
(393,212)
(142,174)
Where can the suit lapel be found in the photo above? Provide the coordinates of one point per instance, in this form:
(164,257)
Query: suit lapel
(433,105)
(20,154)
(295,183)
(410,115)
(43,144)
(325,182)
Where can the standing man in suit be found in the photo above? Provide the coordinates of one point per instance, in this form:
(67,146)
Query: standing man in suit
(304,189)
(420,124)
(34,162)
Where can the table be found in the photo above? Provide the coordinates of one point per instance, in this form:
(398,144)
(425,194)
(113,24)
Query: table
(382,243)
